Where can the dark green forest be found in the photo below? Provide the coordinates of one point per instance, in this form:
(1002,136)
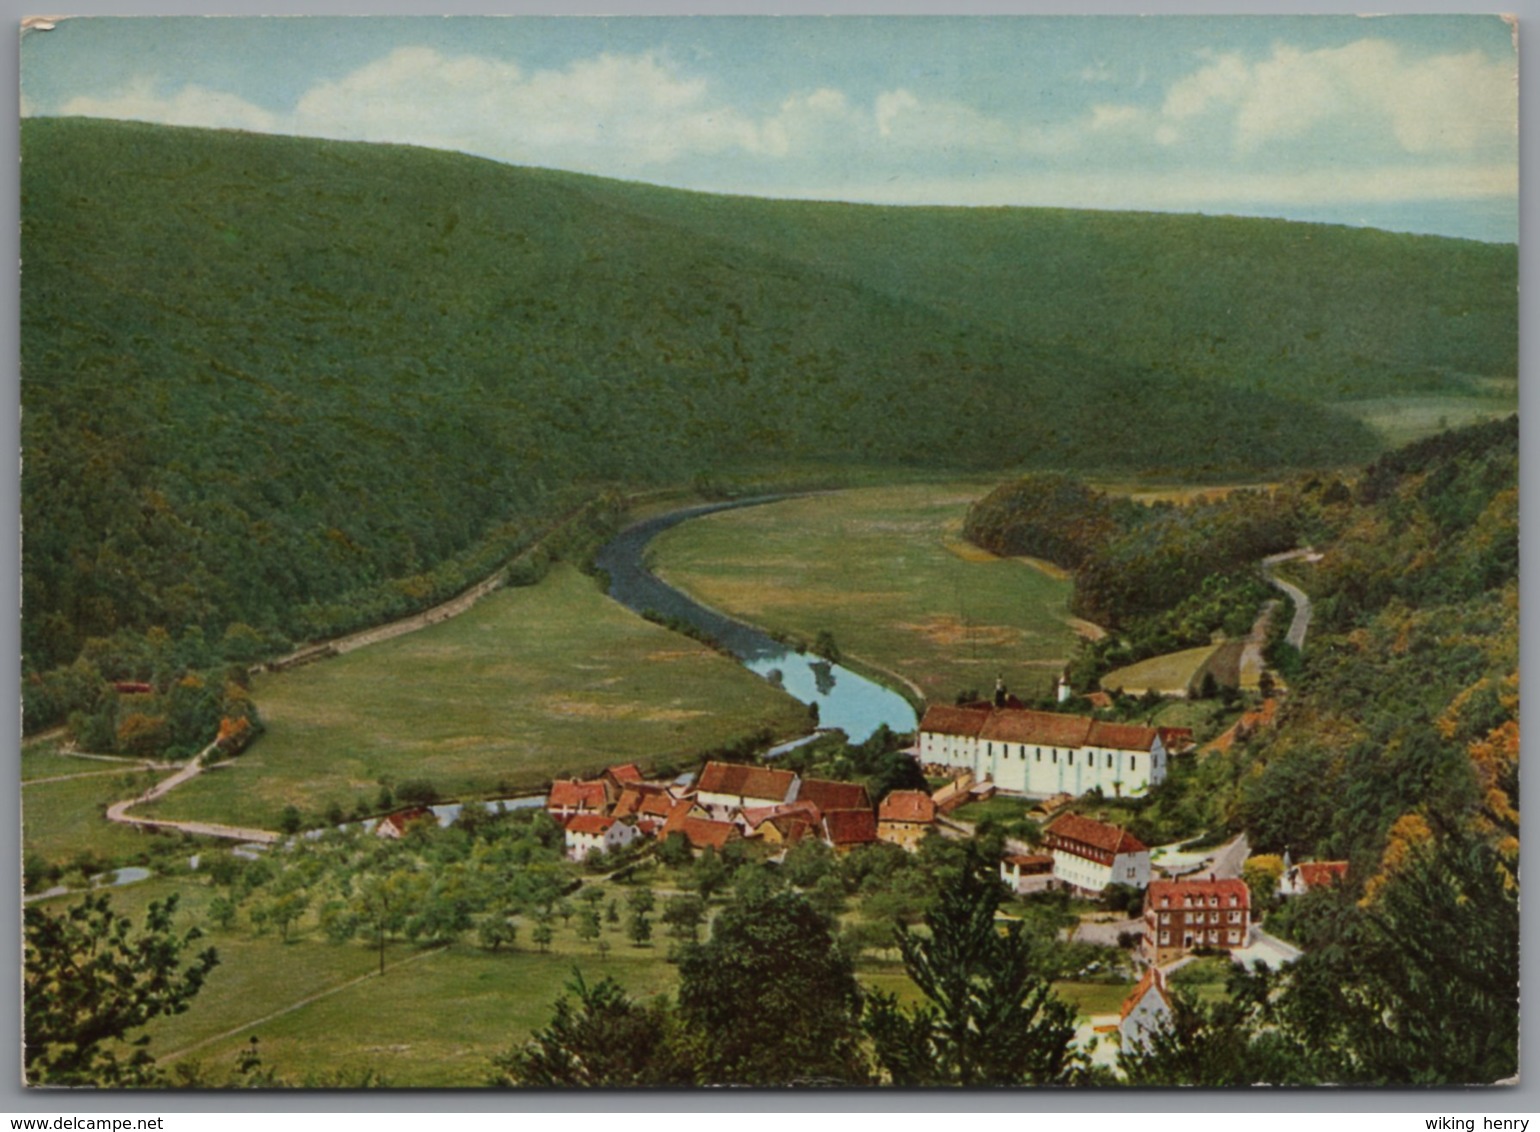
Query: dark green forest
(276,388)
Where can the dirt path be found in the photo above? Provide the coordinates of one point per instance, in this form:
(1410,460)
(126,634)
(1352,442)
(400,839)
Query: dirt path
(301,1004)
(118,811)
(411,624)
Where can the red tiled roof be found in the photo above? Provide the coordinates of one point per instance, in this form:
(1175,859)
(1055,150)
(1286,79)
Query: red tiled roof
(1176,890)
(643,798)
(1122,736)
(571,794)
(744,781)
(828,795)
(699,832)
(755,816)
(1153,977)
(1175,738)
(1097,834)
(907,805)
(1042,728)
(850,827)
(942,719)
(1099,699)
(625,772)
(1317,874)
(399,820)
(589,823)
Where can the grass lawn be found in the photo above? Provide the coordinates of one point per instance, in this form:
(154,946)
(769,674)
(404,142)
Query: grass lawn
(1000,808)
(65,817)
(885,571)
(1090,999)
(533,683)
(1168,674)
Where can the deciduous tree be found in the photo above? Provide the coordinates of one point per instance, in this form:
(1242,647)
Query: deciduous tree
(90,981)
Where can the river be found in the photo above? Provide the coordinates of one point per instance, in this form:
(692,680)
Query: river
(845,699)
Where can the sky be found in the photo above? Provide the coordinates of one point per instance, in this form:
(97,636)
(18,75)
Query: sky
(1401,122)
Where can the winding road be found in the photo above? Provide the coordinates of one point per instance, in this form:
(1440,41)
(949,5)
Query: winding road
(118,811)
(1301,623)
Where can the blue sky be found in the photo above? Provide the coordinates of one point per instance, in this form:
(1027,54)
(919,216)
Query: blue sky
(1405,122)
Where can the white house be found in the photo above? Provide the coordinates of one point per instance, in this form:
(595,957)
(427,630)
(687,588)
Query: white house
(1043,753)
(587,832)
(1145,1011)
(1090,854)
(723,788)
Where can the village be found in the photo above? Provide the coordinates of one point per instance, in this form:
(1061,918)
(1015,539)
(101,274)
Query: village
(1193,903)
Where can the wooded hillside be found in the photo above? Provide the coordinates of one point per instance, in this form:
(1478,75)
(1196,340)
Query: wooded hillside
(266,379)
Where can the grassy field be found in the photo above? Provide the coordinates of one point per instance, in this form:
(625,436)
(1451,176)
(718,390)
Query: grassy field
(881,569)
(532,683)
(1169,674)
(434,1019)
(1401,420)
(63,802)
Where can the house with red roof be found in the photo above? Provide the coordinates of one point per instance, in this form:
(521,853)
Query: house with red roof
(724,787)
(905,817)
(686,820)
(616,778)
(1181,916)
(1307,875)
(829,795)
(570,796)
(395,826)
(1146,1011)
(586,832)
(846,830)
(1041,753)
(1089,855)
(644,800)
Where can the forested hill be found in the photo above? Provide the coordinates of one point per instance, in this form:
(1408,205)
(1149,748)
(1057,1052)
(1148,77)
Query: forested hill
(263,374)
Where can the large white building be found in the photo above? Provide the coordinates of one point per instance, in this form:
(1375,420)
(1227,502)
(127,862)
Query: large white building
(1091,854)
(1042,753)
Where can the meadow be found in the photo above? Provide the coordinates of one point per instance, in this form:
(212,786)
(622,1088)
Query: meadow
(886,572)
(532,683)
(438,1014)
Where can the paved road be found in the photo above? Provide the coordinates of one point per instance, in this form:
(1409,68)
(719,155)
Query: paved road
(1229,859)
(1301,623)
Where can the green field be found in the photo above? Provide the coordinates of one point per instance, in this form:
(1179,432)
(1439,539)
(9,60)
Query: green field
(533,683)
(63,800)
(884,570)
(1169,674)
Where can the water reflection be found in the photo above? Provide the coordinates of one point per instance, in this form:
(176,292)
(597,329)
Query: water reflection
(845,699)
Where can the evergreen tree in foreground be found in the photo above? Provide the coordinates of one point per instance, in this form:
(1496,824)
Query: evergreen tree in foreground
(991,1018)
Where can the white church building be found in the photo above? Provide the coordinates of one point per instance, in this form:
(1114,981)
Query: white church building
(1042,753)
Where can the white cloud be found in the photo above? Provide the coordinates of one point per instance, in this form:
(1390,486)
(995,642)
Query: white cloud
(190,106)
(627,112)
(1366,94)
